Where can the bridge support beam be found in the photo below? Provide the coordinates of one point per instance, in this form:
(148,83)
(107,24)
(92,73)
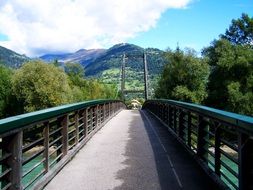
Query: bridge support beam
(145,76)
(123,75)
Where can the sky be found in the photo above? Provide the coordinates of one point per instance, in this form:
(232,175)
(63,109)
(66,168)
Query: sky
(35,27)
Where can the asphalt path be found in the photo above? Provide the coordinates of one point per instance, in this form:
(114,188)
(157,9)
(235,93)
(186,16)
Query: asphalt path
(132,151)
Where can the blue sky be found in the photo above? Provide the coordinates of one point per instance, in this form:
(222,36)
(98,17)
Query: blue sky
(196,26)
(35,28)
(3,37)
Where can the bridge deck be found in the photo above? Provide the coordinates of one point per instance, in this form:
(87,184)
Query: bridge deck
(132,151)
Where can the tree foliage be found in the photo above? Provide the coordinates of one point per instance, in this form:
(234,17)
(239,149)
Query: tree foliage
(38,85)
(184,77)
(230,84)
(5,90)
(74,69)
(240,31)
(87,89)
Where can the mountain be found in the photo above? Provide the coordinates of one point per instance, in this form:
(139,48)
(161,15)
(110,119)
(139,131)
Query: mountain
(107,67)
(105,64)
(85,57)
(95,61)
(52,57)
(82,56)
(113,57)
(11,59)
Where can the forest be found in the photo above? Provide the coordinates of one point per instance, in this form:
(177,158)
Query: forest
(221,78)
(37,85)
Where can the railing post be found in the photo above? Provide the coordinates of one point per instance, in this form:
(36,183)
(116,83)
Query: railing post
(109,109)
(167,114)
(76,127)
(64,132)
(104,112)
(181,126)
(97,112)
(13,145)
(159,111)
(112,109)
(46,145)
(202,145)
(217,144)
(170,117)
(85,121)
(189,125)
(93,118)
(175,119)
(245,162)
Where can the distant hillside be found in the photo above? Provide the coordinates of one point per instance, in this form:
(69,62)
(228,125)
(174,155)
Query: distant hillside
(106,64)
(107,67)
(82,56)
(112,58)
(52,57)
(11,59)
(103,64)
(85,57)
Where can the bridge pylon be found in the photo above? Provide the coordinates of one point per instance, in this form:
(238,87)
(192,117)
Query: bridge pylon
(123,76)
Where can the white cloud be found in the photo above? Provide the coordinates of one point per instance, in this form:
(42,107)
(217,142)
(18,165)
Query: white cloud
(35,27)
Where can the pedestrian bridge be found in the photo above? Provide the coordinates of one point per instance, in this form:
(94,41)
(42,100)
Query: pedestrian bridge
(101,145)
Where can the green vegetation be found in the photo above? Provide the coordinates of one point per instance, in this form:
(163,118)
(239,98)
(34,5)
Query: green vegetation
(230,82)
(184,78)
(108,67)
(240,32)
(37,85)
(5,90)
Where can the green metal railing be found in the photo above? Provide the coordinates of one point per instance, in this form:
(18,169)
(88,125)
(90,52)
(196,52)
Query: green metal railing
(222,142)
(35,146)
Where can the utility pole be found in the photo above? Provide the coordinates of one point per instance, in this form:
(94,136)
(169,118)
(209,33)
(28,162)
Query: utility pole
(145,76)
(123,76)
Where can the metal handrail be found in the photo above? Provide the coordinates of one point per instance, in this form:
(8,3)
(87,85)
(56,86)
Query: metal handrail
(39,144)
(220,141)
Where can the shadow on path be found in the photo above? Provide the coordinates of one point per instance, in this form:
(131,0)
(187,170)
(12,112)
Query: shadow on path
(155,159)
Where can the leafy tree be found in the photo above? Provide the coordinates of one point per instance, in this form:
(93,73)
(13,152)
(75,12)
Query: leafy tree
(240,31)
(56,63)
(184,77)
(5,89)
(230,84)
(38,85)
(98,90)
(74,69)
(109,91)
(84,89)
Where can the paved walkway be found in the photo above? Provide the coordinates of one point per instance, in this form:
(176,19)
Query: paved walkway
(132,151)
